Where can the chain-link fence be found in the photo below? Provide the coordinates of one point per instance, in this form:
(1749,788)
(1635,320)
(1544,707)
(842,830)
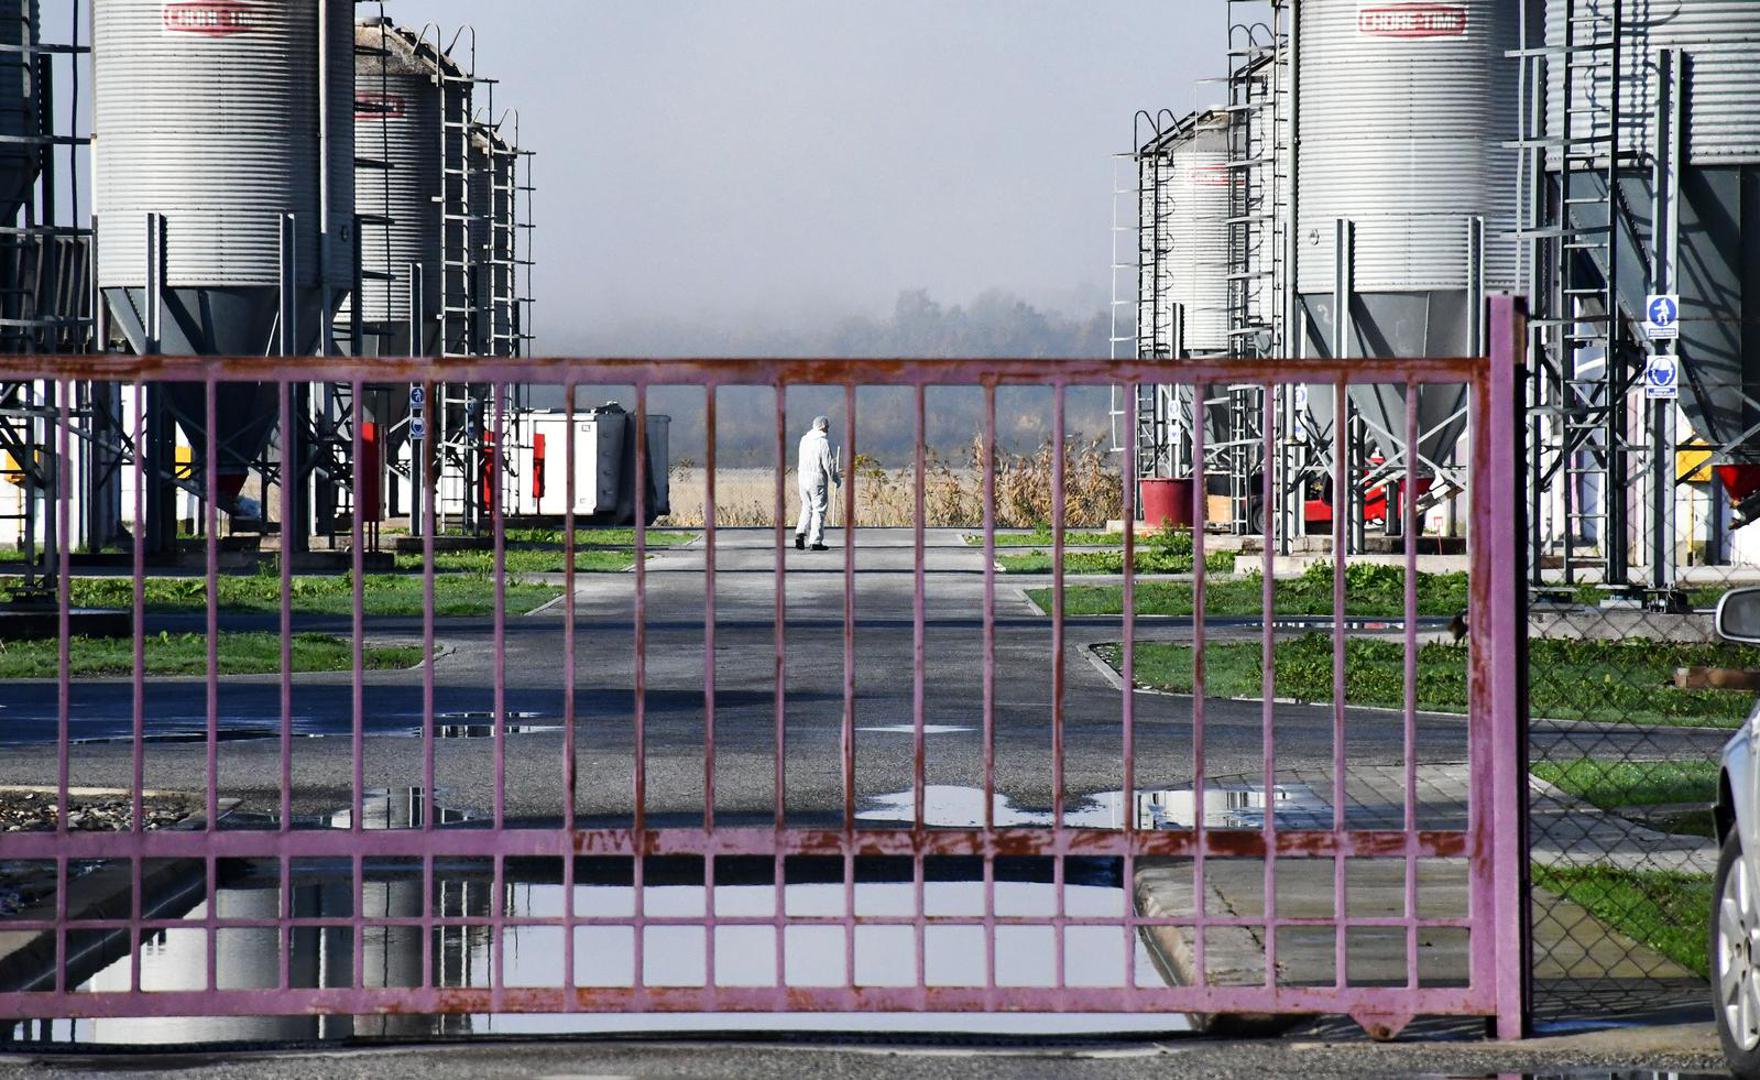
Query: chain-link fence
(1631,698)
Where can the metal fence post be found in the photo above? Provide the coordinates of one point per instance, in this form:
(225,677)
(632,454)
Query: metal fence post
(1497,537)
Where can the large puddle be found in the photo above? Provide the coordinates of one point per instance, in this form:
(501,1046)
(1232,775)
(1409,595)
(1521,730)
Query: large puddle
(469,902)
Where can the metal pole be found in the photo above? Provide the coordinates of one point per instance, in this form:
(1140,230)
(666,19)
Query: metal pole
(1614,495)
(1534,119)
(418,449)
(1664,241)
(327,330)
(296,532)
(1294,326)
(159,458)
(1343,291)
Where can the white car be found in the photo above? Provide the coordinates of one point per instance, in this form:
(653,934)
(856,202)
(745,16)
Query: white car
(1735,916)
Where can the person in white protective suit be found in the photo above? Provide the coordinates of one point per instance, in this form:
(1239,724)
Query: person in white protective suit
(817,471)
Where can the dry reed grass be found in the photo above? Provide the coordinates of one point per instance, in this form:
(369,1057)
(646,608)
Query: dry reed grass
(953,491)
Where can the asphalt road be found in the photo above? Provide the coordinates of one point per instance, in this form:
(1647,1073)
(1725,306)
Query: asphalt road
(746,722)
(1686,1052)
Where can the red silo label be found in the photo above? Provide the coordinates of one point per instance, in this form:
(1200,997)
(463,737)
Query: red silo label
(379,107)
(210,18)
(1412,20)
(1210,176)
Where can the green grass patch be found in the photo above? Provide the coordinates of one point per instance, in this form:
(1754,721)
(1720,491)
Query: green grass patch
(1039,538)
(1626,682)
(600,538)
(455,594)
(1665,910)
(187,654)
(1112,562)
(1611,784)
(1370,591)
(525,561)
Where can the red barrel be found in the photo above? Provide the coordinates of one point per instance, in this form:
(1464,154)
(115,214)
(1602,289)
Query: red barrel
(1740,481)
(1166,502)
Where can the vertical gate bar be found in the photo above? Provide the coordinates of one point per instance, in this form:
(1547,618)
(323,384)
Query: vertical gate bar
(1502,675)
(918,594)
(989,682)
(289,472)
(1270,485)
(430,518)
(1128,510)
(211,525)
(139,680)
(919,749)
(848,738)
(780,585)
(1342,505)
(498,532)
(1200,828)
(570,999)
(849,684)
(1410,733)
(780,812)
(63,510)
(1484,853)
(641,675)
(358,598)
(289,477)
(1057,676)
(710,417)
(430,461)
(496,496)
(211,522)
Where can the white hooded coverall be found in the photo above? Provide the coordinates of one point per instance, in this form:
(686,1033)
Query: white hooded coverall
(817,472)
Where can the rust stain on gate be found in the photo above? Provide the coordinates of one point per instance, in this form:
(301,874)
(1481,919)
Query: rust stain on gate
(1491,842)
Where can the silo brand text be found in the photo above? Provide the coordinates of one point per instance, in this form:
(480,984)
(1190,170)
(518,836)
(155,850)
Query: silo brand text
(210,18)
(1412,20)
(378,107)
(1210,176)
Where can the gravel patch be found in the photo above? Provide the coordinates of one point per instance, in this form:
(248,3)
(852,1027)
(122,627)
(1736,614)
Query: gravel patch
(36,811)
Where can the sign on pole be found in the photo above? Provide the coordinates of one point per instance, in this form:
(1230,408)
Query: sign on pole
(1662,315)
(418,398)
(1662,378)
(418,428)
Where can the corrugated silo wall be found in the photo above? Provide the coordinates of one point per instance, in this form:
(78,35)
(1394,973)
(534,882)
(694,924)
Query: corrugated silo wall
(208,114)
(399,123)
(1402,130)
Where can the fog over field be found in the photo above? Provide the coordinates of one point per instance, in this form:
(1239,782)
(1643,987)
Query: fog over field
(794,177)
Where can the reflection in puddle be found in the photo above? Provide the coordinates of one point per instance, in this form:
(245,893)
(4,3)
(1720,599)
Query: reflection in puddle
(487,731)
(474,938)
(399,808)
(1226,806)
(462,951)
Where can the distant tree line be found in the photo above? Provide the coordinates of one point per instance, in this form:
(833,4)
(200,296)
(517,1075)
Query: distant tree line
(995,324)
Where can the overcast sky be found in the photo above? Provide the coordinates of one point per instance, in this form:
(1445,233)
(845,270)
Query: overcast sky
(765,159)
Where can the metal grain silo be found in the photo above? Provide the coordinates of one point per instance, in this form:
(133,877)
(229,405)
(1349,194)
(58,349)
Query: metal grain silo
(1403,113)
(19,120)
(1198,234)
(400,110)
(1182,271)
(211,113)
(1719,206)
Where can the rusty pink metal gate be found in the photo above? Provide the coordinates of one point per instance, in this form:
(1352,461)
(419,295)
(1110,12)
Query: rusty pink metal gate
(1490,842)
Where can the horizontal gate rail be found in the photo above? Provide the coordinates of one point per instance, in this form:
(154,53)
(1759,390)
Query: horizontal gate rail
(1490,842)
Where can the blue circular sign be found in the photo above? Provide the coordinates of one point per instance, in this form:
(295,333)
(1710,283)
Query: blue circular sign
(1663,311)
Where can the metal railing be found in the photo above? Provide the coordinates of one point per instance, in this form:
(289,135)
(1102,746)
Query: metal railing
(1486,834)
